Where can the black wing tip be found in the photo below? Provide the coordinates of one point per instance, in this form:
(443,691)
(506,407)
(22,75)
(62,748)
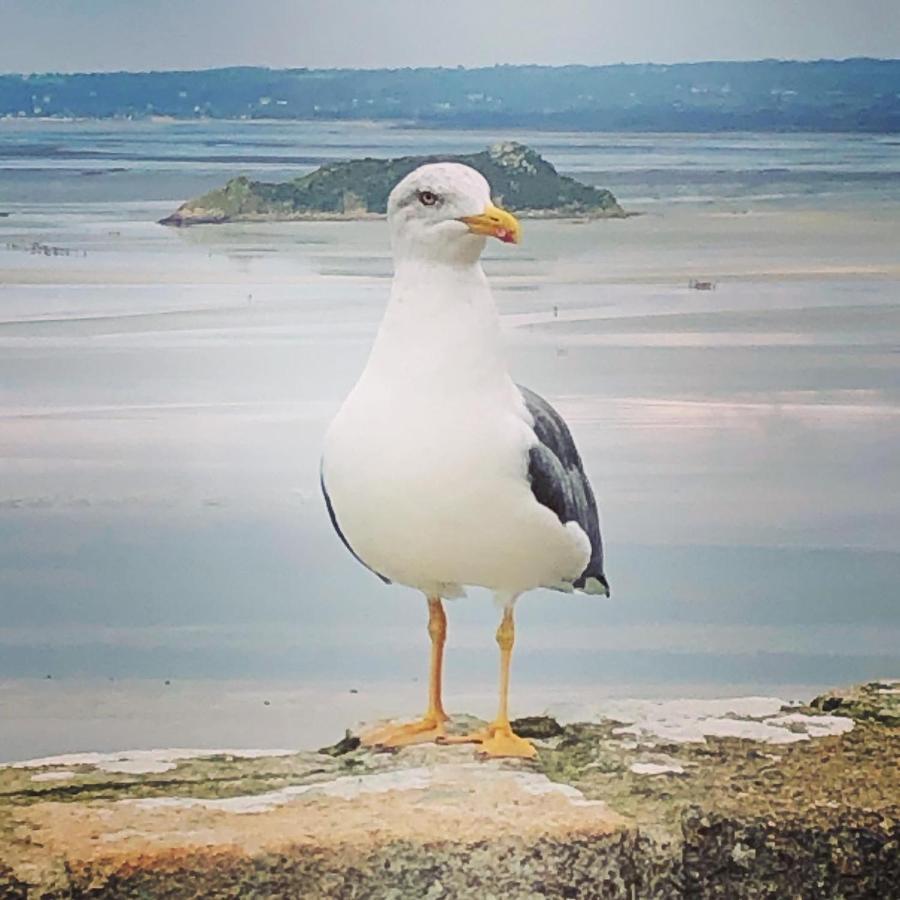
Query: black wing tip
(593,584)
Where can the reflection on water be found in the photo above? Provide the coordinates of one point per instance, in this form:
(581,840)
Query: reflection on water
(163,399)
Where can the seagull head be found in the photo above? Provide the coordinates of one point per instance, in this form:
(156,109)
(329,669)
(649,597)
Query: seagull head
(443,212)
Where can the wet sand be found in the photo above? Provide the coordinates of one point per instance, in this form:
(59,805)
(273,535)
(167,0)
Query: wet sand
(163,399)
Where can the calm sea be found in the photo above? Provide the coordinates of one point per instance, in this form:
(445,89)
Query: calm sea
(163,396)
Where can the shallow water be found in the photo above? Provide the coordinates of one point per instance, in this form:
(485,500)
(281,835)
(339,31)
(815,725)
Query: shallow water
(163,395)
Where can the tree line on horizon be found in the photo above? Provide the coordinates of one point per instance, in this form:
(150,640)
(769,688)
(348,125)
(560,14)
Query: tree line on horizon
(824,95)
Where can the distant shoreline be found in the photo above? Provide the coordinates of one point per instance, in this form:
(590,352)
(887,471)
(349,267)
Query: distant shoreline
(420,125)
(250,219)
(783,96)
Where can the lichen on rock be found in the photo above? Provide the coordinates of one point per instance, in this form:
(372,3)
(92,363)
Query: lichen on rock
(878,701)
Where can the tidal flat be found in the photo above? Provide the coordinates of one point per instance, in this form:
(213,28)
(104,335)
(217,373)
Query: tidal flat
(163,396)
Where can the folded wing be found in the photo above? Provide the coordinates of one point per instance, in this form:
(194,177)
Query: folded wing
(558,481)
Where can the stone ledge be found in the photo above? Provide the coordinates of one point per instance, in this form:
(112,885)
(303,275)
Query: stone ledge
(661,801)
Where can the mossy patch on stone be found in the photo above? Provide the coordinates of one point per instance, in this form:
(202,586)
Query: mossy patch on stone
(207,777)
(539,727)
(878,701)
(347,744)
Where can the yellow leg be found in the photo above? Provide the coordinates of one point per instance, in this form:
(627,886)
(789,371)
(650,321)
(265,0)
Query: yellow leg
(497,739)
(431,725)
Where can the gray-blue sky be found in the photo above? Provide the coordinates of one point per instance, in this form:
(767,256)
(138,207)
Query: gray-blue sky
(102,35)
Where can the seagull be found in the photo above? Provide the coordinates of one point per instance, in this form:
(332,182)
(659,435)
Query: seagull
(440,472)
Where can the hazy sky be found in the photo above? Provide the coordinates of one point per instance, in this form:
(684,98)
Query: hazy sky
(98,35)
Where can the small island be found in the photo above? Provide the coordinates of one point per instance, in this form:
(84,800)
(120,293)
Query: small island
(521,180)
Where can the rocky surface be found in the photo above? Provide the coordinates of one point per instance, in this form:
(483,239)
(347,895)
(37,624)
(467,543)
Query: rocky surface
(521,180)
(732,799)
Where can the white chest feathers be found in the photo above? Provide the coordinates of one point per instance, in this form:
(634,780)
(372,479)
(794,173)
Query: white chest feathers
(426,463)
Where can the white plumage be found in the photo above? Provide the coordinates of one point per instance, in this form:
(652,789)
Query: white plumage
(429,466)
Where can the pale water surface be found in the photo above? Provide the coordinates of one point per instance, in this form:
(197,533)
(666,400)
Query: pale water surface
(163,396)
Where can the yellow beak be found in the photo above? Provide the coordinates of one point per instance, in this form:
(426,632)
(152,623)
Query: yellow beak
(495,222)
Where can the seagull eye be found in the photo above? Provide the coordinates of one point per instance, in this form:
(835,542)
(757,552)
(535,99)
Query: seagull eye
(427,198)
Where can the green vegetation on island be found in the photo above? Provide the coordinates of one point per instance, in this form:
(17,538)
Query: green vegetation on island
(520,178)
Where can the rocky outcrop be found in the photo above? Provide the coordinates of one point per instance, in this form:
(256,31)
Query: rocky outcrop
(876,701)
(739,799)
(521,180)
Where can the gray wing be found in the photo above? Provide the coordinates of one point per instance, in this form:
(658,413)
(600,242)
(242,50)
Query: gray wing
(340,534)
(558,482)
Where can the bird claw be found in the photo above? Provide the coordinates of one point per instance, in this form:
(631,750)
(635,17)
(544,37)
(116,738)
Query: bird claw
(496,741)
(503,744)
(427,730)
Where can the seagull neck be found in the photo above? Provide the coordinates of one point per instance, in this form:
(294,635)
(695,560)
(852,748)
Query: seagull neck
(415,271)
(440,316)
